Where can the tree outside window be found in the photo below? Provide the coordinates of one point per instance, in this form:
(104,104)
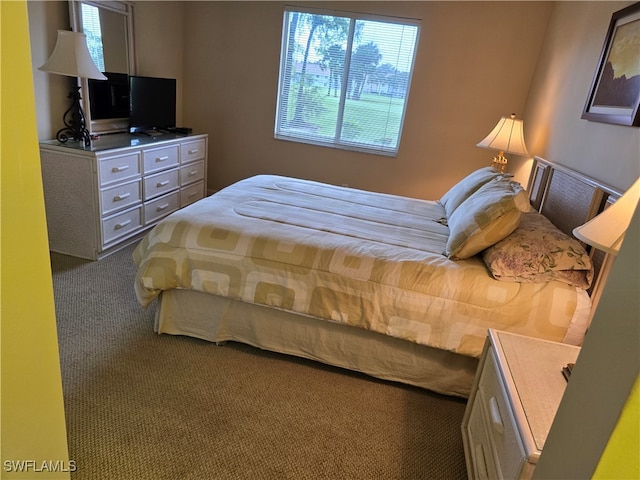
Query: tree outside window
(344,80)
(93,31)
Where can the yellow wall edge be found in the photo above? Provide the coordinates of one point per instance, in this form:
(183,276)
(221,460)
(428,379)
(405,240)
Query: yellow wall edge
(33,432)
(621,457)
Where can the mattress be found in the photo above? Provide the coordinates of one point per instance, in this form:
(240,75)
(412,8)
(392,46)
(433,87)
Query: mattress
(363,259)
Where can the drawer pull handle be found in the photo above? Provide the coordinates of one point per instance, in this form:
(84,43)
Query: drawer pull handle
(122,168)
(496,417)
(159,208)
(193,152)
(119,198)
(162,159)
(162,184)
(193,172)
(122,224)
(193,194)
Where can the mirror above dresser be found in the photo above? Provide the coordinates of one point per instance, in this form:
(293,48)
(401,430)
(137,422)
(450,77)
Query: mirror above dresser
(108,26)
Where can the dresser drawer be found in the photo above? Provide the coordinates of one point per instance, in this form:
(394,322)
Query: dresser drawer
(161,207)
(158,159)
(119,168)
(191,194)
(192,173)
(161,183)
(500,422)
(121,224)
(102,198)
(192,151)
(121,196)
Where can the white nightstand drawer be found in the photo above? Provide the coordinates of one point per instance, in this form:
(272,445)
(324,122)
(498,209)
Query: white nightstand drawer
(479,446)
(121,196)
(161,207)
(161,183)
(160,158)
(191,193)
(121,224)
(518,388)
(500,422)
(191,151)
(119,168)
(192,173)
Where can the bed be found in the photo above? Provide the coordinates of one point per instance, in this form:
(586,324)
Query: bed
(398,288)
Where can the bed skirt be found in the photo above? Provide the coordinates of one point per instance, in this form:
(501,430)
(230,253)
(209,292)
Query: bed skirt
(219,319)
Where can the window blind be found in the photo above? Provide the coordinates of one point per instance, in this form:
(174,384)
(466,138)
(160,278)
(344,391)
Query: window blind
(344,79)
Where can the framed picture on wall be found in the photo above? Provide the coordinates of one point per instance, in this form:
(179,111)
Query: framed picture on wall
(615,91)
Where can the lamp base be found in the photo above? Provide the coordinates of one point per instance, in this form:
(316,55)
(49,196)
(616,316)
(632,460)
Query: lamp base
(74,121)
(499,162)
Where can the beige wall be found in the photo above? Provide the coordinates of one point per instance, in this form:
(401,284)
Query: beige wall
(474,63)
(159,45)
(610,153)
(45,18)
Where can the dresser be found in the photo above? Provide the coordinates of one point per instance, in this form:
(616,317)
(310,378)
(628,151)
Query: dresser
(513,402)
(103,197)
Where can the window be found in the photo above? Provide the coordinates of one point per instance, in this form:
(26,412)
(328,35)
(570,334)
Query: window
(344,80)
(91,28)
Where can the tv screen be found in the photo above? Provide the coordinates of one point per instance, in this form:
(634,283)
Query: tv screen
(109,98)
(152,103)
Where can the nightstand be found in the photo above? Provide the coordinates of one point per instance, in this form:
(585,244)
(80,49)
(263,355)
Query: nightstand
(513,402)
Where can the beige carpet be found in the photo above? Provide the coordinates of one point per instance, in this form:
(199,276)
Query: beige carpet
(146,406)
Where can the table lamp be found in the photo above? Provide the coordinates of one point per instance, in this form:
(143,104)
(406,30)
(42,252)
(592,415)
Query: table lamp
(606,230)
(507,136)
(71,57)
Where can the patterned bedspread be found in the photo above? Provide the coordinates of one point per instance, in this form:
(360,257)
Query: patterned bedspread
(365,259)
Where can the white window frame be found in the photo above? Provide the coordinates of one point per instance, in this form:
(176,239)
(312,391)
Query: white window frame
(337,141)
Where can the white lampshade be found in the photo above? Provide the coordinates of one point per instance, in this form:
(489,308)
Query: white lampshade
(606,231)
(507,136)
(71,57)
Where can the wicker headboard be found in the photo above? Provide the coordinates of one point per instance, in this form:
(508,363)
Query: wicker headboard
(569,199)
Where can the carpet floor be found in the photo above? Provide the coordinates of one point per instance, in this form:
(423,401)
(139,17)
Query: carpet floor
(146,406)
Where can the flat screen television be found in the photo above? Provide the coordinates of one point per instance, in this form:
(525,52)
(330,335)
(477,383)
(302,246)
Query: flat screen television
(109,98)
(152,103)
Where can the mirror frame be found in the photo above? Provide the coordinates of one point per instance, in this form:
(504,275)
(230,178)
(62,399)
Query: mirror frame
(75,16)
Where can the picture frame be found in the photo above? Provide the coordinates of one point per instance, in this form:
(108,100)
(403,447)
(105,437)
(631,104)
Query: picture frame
(614,95)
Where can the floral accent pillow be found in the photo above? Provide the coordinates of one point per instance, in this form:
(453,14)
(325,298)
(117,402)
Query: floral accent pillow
(538,252)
